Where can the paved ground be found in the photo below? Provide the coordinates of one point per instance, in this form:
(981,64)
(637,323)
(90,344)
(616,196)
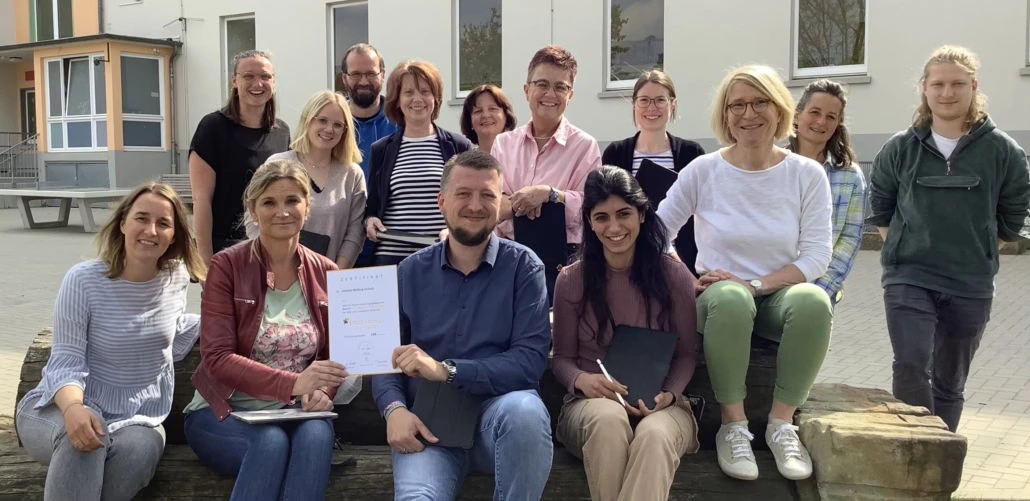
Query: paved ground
(996,420)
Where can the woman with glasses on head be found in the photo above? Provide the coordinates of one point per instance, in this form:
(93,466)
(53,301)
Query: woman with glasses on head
(547,160)
(763,234)
(325,144)
(404,179)
(228,146)
(486,114)
(821,134)
(654,106)
(264,345)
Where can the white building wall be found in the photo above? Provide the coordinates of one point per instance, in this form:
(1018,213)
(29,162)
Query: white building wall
(703,39)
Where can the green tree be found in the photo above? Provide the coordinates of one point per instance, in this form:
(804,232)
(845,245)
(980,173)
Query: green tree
(618,22)
(480,53)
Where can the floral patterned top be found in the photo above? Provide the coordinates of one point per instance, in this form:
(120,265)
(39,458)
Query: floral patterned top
(287,340)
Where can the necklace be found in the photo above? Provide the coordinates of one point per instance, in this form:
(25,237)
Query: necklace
(303,159)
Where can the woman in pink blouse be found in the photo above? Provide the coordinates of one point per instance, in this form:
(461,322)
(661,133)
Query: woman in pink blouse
(623,278)
(548,159)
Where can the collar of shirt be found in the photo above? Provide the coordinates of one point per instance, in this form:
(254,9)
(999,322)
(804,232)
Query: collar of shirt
(489,258)
(561,134)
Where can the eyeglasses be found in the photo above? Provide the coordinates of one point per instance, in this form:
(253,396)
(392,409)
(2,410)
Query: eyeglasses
(252,77)
(323,121)
(357,75)
(560,88)
(758,106)
(643,102)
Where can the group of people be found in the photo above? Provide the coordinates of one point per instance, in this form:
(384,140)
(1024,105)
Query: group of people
(751,240)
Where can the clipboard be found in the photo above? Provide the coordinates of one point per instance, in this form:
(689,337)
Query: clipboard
(449,412)
(280,415)
(547,238)
(640,358)
(408,238)
(655,180)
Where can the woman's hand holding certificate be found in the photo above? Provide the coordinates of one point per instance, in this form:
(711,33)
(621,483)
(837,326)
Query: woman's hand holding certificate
(320,373)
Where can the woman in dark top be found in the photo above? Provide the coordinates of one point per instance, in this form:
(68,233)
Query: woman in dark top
(654,106)
(404,177)
(228,146)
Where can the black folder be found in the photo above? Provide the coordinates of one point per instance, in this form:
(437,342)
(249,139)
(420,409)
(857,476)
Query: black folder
(640,358)
(546,236)
(655,180)
(451,414)
(315,241)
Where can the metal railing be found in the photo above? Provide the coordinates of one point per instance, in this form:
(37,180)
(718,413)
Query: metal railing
(9,139)
(18,165)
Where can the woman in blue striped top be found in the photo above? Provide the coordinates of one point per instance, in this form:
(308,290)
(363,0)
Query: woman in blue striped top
(654,106)
(119,323)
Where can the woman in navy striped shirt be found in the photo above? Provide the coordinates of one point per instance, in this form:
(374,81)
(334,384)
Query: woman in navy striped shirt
(119,323)
(406,166)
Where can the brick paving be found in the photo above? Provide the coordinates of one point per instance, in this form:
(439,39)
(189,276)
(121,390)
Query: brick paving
(996,418)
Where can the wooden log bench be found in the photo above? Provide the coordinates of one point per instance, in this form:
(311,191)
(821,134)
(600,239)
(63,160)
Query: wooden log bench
(864,443)
(361,428)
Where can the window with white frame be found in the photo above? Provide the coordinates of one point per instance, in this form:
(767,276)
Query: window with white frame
(53,19)
(635,40)
(143,103)
(478,44)
(348,24)
(238,35)
(76,103)
(829,37)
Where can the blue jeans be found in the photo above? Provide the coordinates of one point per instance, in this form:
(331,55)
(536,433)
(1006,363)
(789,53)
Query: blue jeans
(513,443)
(279,462)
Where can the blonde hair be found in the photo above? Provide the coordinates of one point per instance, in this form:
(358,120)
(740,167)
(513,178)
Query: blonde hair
(657,77)
(346,150)
(766,81)
(963,58)
(111,241)
(265,176)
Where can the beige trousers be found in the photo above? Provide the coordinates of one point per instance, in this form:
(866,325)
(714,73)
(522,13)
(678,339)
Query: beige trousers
(623,463)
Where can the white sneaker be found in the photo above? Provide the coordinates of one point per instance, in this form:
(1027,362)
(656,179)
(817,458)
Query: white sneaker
(792,458)
(736,458)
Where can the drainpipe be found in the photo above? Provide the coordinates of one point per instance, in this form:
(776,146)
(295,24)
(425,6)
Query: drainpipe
(171,111)
(100,16)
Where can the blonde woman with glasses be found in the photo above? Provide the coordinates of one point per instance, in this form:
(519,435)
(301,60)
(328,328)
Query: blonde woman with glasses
(654,107)
(763,235)
(325,143)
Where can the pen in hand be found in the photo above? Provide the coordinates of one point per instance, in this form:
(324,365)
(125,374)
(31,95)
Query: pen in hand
(609,378)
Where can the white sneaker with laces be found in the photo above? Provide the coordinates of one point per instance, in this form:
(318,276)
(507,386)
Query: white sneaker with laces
(733,444)
(792,458)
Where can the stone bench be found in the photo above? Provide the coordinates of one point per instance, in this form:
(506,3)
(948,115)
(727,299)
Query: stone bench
(865,445)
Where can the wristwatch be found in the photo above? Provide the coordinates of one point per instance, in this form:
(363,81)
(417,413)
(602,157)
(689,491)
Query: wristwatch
(452,370)
(757,284)
(553,196)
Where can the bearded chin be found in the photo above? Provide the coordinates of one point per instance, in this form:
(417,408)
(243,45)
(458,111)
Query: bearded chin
(468,238)
(363,96)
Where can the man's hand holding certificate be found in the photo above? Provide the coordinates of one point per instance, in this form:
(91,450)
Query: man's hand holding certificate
(364,319)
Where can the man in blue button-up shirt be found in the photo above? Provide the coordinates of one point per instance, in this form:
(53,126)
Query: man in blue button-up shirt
(474,313)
